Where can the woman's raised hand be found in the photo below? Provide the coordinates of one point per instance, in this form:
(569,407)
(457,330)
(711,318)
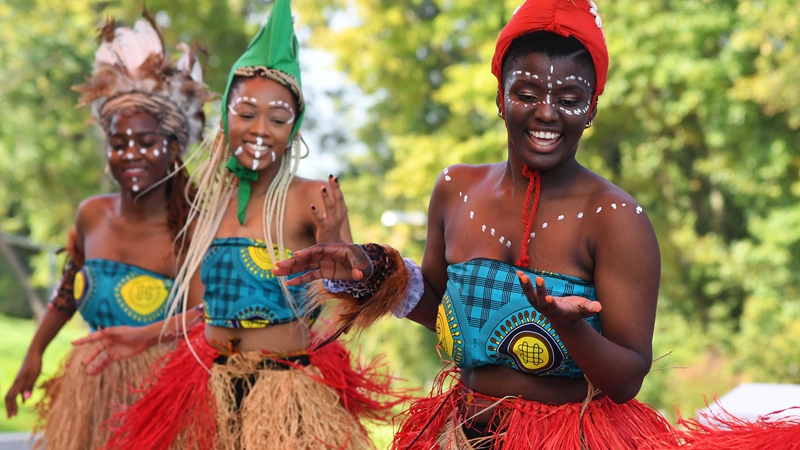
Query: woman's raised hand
(556,309)
(346,262)
(332,216)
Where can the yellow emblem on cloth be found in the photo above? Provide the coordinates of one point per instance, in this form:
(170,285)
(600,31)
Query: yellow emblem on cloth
(78,285)
(443,331)
(532,351)
(144,294)
(257,260)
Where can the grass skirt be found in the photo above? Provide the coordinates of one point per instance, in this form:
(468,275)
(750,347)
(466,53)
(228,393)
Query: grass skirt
(244,405)
(76,405)
(769,432)
(436,423)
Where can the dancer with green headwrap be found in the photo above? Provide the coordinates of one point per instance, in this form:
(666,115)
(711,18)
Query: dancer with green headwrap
(252,376)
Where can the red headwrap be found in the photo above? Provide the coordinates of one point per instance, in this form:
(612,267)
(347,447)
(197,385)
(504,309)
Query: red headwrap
(577,18)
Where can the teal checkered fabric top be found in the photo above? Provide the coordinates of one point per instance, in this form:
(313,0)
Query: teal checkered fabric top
(109,293)
(240,289)
(484,318)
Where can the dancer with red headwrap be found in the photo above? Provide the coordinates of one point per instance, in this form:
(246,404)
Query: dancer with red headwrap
(548,319)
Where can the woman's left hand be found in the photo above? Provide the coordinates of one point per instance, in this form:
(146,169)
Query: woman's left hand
(556,309)
(331,217)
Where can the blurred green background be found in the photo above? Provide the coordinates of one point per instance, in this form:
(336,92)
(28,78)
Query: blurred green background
(700,122)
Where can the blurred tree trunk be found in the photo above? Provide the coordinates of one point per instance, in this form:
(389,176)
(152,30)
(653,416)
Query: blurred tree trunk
(37,306)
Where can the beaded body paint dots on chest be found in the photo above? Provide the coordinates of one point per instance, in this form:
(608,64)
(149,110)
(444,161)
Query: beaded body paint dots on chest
(545,225)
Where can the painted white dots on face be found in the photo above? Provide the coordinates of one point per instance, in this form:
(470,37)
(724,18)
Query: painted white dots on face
(548,98)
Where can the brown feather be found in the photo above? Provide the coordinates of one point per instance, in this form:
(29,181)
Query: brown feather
(358,315)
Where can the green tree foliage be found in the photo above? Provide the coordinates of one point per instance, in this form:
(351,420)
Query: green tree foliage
(699,122)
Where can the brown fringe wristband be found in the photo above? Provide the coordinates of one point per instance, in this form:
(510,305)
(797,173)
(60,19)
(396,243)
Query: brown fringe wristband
(368,301)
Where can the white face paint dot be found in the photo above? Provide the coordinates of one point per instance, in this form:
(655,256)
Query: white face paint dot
(508,244)
(135,188)
(460,194)
(255,164)
(483,228)
(238,151)
(258,154)
(580,215)
(561,217)
(135,179)
(624,205)
(130,143)
(533,235)
(119,152)
(502,239)
(600,208)
(165,143)
(258,141)
(492,231)
(130,155)
(472,214)
(273,156)
(109,154)
(128,132)
(639,210)
(447,178)
(143,151)
(614,205)
(445,171)
(156,152)
(544,225)
(465,198)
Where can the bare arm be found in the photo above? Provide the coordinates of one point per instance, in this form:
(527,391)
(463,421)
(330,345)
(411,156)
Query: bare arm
(434,262)
(32,364)
(627,272)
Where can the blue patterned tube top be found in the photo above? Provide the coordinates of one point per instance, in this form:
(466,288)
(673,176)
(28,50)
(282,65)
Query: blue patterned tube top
(484,318)
(110,293)
(240,289)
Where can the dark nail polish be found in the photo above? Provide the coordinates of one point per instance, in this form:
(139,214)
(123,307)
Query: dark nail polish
(336,180)
(325,190)
(313,208)
(330,176)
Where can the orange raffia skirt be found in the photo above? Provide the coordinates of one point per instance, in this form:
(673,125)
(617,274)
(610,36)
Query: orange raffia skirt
(255,400)
(436,422)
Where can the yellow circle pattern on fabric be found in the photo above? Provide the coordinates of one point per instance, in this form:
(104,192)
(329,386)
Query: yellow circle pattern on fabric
(450,338)
(143,294)
(257,259)
(532,351)
(78,286)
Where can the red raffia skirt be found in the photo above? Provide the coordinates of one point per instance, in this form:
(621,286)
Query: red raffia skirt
(723,431)
(435,422)
(191,402)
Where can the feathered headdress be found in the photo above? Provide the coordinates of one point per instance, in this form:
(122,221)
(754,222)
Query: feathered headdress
(132,73)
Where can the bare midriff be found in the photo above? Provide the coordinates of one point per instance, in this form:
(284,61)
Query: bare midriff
(284,338)
(501,381)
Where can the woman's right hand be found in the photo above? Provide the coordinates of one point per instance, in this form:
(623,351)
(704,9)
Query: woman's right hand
(23,384)
(112,345)
(346,262)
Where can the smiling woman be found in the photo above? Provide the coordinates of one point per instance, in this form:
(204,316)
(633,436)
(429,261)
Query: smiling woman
(539,276)
(123,251)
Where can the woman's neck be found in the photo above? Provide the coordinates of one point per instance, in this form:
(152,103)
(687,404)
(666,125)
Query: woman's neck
(148,207)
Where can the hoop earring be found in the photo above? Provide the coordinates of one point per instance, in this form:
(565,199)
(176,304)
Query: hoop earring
(588,124)
(500,114)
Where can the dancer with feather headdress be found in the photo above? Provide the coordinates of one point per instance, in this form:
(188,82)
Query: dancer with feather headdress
(123,252)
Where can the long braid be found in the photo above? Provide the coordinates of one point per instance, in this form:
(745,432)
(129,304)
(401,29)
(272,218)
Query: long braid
(180,195)
(535,189)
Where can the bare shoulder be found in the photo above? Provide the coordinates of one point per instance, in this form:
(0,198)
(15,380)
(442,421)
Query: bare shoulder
(459,177)
(306,187)
(613,211)
(95,209)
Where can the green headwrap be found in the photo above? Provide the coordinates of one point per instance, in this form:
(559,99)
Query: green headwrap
(274,49)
